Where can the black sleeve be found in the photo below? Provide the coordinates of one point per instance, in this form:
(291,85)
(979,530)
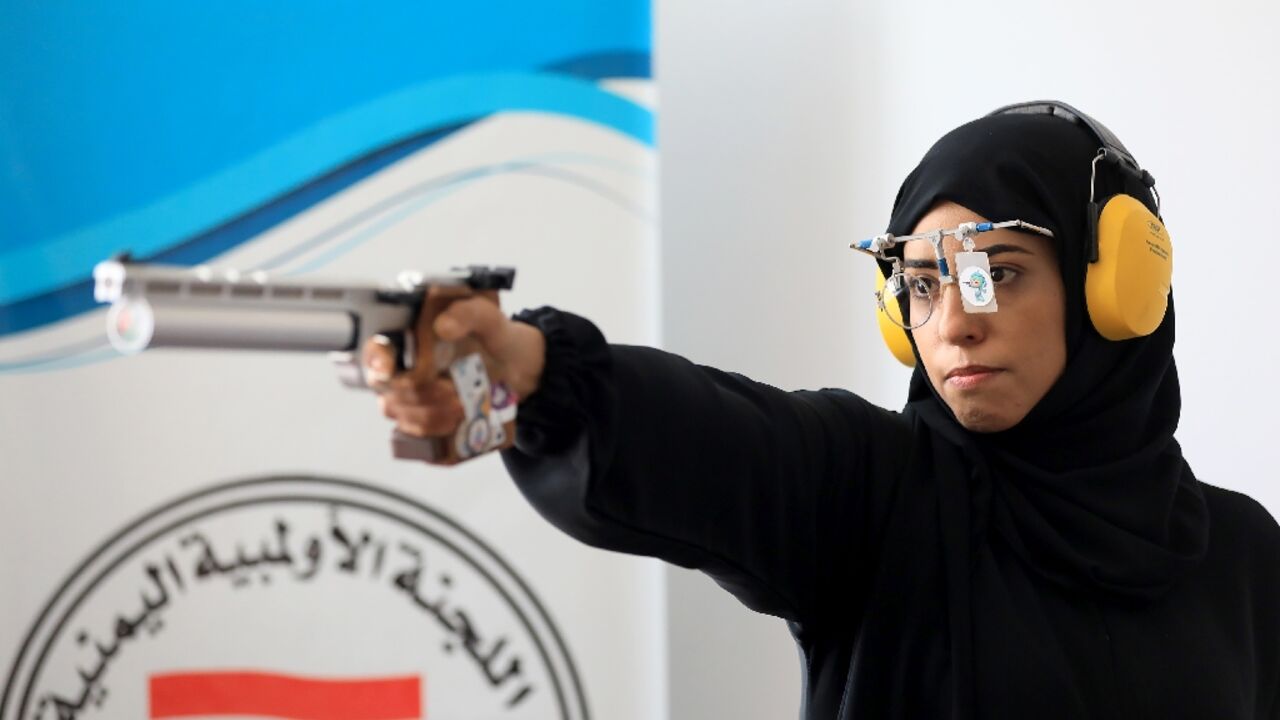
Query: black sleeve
(778,496)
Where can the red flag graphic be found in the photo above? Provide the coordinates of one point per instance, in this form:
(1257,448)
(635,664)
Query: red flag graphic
(212,693)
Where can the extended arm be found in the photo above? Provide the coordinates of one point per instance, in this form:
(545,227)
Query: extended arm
(776,495)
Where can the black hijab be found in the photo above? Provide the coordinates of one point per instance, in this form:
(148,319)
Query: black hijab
(1090,491)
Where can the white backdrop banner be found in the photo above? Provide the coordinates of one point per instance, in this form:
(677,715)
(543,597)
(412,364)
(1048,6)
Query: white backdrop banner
(211,534)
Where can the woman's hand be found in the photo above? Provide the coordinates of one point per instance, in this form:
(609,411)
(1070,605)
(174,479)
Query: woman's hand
(422,401)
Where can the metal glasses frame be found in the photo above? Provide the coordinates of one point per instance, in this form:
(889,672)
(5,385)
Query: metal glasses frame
(879,246)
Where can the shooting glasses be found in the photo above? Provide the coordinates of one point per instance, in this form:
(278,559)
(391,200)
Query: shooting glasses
(908,300)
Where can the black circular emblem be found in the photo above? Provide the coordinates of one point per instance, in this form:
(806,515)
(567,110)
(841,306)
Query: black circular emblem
(294,597)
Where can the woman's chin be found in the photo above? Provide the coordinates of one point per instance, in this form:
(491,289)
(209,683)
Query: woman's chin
(976,417)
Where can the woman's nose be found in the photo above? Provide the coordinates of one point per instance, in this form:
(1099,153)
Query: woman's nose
(955,326)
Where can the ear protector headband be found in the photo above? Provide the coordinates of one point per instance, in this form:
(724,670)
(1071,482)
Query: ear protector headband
(1129,255)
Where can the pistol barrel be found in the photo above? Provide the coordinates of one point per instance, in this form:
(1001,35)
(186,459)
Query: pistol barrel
(134,324)
(174,307)
(178,307)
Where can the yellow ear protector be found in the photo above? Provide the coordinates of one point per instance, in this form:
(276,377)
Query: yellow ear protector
(894,336)
(1129,253)
(1126,284)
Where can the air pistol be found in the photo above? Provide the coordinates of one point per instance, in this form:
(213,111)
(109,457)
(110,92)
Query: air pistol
(162,306)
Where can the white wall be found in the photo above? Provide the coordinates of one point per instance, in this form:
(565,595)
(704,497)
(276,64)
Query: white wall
(785,130)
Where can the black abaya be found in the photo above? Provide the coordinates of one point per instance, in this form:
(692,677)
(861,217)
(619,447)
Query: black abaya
(1070,567)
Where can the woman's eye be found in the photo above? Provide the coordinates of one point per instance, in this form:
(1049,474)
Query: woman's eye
(922,286)
(1001,275)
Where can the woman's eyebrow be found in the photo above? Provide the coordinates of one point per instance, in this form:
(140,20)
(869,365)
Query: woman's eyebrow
(929,264)
(1002,248)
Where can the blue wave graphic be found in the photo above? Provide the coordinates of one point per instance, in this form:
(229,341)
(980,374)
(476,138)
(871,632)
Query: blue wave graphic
(435,191)
(598,66)
(380,217)
(108,106)
(28,271)
(77,297)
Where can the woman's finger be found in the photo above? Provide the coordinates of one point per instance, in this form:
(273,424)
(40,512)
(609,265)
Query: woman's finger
(428,421)
(411,389)
(379,363)
(478,316)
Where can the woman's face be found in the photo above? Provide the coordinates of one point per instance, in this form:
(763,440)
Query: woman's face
(992,368)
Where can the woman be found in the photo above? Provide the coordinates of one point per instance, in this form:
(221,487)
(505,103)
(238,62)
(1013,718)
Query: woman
(1024,539)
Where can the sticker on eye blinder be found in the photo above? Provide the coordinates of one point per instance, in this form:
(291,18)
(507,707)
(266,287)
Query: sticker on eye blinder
(977,289)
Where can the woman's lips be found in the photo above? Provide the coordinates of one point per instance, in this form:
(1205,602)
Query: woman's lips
(971,376)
